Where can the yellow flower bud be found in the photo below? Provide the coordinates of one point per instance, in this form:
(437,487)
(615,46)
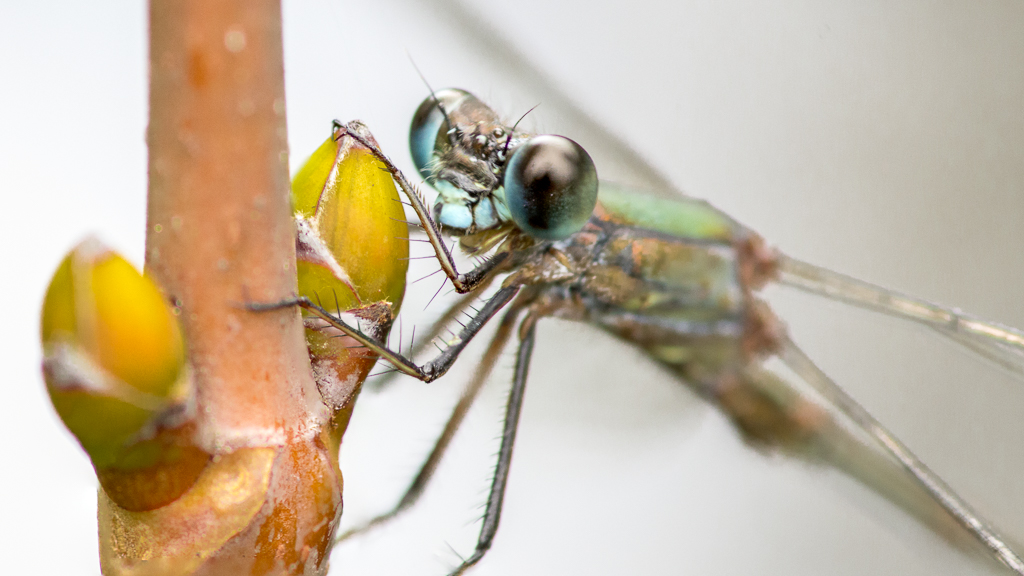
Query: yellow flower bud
(352,234)
(113,350)
(352,252)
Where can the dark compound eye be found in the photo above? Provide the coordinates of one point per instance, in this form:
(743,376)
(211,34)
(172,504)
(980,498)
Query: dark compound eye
(429,129)
(550,187)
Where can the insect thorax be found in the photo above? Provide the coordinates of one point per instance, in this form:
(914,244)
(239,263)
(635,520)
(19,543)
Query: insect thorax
(679,299)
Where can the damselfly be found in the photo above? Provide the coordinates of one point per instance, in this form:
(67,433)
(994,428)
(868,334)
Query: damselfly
(676,278)
(696,176)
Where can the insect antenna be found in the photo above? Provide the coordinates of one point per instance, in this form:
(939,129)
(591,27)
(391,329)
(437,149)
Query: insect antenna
(453,129)
(508,140)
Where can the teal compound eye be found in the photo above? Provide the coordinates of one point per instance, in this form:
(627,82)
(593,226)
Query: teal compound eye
(550,187)
(429,130)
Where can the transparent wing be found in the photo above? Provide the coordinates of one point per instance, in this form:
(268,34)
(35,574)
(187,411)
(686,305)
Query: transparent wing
(1002,345)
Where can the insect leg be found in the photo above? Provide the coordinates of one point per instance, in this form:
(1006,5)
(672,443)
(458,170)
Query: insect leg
(450,315)
(429,371)
(492,515)
(977,526)
(480,375)
(463,282)
(781,413)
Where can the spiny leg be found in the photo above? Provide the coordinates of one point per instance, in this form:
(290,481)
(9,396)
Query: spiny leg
(469,395)
(812,419)
(776,413)
(450,315)
(429,371)
(463,282)
(492,516)
(964,515)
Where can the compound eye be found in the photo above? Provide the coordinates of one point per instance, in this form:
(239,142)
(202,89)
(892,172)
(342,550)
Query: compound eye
(550,187)
(429,130)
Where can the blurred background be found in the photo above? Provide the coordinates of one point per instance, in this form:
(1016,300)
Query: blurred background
(883,140)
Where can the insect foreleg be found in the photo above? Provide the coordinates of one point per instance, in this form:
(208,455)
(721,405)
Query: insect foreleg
(463,282)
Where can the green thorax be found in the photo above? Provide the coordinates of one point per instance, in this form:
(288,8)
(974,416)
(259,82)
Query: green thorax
(681,217)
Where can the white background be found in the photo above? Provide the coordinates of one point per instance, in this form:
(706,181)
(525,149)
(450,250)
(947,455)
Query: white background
(881,139)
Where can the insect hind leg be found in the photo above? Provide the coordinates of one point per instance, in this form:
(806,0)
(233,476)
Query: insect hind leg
(469,395)
(496,497)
